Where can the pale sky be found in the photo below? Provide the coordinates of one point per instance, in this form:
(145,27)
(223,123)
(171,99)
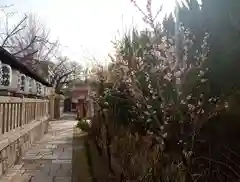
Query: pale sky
(86,27)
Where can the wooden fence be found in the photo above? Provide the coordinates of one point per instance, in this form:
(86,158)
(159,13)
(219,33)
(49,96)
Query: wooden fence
(16,112)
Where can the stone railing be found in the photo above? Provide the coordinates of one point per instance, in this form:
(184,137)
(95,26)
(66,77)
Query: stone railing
(26,105)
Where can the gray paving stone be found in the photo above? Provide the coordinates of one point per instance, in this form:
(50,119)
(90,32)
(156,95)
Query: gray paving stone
(50,159)
(62,161)
(62,179)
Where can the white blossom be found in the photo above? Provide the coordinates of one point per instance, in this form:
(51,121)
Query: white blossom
(154,97)
(147,113)
(149,120)
(149,106)
(162,128)
(157,53)
(203,80)
(189,97)
(149,132)
(199,103)
(106,103)
(178,73)
(226,104)
(161,46)
(178,81)
(201,73)
(191,107)
(200,111)
(166,77)
(165,135)
(183,102)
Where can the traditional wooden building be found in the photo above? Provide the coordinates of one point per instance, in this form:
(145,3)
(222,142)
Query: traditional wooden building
(79,93)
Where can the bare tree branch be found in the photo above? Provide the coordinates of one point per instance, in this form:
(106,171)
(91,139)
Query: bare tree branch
(29,41)
(27,46)
(64,72)
(15,30)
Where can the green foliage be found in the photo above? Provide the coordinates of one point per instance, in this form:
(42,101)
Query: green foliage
(220,19)
(84,125)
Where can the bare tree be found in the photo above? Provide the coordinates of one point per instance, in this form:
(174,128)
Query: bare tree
(28,40)
(64,72)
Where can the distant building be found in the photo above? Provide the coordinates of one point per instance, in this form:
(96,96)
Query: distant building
(78,92)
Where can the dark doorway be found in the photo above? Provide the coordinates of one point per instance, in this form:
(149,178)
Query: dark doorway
(73,107)
(67,105)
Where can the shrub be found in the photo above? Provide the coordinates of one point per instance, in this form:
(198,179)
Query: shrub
(161,118)
(84,125)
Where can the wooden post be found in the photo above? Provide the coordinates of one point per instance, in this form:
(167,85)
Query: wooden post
(51,104)
(22,122)
(1,118)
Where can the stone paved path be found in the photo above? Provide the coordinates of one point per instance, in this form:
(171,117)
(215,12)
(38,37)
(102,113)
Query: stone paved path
(50,158)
